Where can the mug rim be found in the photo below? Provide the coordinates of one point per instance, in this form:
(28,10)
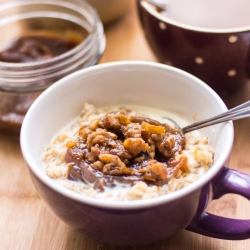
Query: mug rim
(167,20)
(120,205)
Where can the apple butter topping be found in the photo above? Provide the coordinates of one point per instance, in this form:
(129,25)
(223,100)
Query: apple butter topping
(123,148)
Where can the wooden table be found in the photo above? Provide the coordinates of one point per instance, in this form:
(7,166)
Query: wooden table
(27,223)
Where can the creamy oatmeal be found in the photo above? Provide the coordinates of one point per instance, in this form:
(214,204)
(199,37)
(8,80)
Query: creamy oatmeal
(122,153)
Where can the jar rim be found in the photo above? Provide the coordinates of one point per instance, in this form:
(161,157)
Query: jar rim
(96,20)
(95,37)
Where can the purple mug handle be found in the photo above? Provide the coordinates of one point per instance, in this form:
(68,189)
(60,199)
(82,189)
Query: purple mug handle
(227,181)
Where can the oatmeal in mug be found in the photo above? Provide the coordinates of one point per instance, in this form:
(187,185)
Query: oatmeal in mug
(125,153)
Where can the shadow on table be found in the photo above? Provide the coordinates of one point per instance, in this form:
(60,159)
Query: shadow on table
(184,240)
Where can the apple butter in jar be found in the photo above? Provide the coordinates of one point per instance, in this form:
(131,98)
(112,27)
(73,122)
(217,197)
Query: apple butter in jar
(43,42)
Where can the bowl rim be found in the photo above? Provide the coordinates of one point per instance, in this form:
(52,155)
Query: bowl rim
(121,205)
(165,19)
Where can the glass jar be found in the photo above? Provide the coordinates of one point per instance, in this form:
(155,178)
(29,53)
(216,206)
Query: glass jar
(21,83)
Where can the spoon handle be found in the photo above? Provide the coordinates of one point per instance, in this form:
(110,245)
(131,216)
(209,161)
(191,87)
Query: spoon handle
(239,112)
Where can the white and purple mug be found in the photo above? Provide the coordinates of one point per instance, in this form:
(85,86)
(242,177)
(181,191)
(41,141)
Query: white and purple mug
(140,221)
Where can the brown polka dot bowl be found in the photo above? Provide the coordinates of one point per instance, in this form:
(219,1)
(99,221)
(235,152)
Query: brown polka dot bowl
(209,39)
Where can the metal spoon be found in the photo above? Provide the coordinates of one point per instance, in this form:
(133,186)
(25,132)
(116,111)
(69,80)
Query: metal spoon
(239,112)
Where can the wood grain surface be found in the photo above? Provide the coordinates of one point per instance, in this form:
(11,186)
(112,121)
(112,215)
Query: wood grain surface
(27,223)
